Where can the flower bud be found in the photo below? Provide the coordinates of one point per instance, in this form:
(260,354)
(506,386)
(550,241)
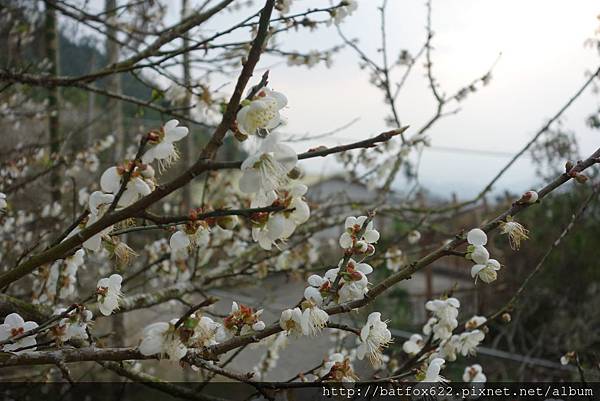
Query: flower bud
(227,222)
(569,166)
(528,197)
(506,318)
(295,173)
(361,246)
(413,237)
(581,178)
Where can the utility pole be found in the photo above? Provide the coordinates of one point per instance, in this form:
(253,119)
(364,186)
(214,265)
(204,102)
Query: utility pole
(113,82)
(52,54)
(188,155)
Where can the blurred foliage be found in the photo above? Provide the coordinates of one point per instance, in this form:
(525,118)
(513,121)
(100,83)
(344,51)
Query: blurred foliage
(558,312)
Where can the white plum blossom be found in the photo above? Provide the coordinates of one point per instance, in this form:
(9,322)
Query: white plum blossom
(98,200)
(350,237)
(267,169)
(469,341)
(395,259)
(414,344)
(450,348)
(266,228)
(432,374)
(353,282)
(13,327)
(191,235)
(313,317)
(109,293)
(486,272)
(136,187)
(162,338)
(270,358)
(291,321)
(374,337)
(475,322)
(474,374)
(261,113)
(162,143)
(297,211)
(515,231)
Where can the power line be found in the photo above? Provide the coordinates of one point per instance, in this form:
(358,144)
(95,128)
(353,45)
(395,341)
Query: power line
(478,152)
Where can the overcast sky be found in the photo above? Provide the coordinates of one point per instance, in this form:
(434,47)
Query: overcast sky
(543,63)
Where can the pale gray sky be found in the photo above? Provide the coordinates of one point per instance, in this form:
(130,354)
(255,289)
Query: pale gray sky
(543,63)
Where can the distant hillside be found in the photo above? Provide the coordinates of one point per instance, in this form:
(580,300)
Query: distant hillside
(83,56)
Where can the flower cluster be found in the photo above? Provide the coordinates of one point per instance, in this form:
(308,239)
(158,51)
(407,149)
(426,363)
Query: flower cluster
(267,228)
(485,268)
(141,181)
(268,171)
(355,239)
(353,280)
(173,340)
(440,328)
(59,279)
(444,320)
